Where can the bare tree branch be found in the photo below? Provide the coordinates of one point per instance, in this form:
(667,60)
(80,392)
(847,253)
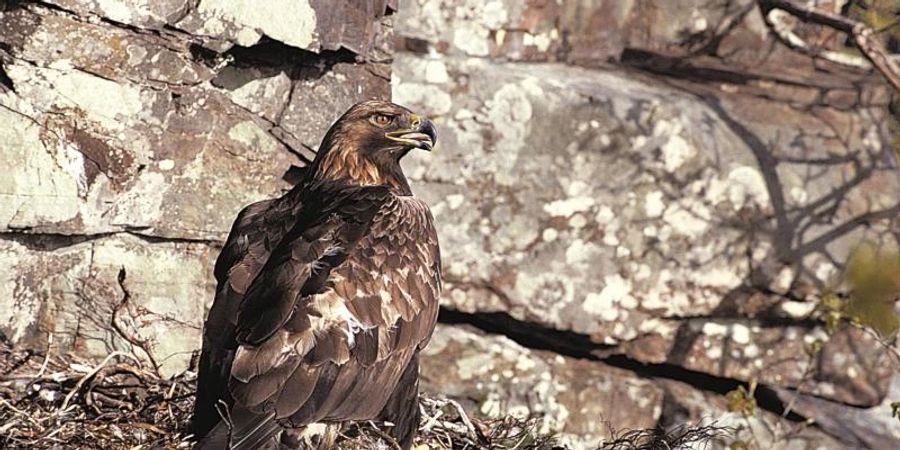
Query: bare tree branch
(863,36)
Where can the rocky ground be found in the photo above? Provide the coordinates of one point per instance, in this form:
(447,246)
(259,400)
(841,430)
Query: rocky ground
(642,205)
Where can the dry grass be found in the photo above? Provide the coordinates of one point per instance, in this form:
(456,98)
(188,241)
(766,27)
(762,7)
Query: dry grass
(684,437)
(66,403)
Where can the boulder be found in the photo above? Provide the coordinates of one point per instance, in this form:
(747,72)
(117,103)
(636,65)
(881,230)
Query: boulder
(493,377)
(135,132)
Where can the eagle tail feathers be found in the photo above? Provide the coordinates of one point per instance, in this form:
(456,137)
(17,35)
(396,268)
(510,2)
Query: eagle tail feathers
(246,431)
(402,409)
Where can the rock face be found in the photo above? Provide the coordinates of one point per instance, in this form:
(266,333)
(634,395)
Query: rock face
(658,193)
(645,176)
(135,133)
(494,376)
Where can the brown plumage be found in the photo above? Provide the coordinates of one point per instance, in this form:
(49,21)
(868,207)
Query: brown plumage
(325,296)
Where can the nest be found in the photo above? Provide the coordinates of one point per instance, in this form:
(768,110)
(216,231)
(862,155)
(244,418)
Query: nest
(66,403)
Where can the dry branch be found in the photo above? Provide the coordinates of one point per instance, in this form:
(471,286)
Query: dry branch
(136,342)
(863,36)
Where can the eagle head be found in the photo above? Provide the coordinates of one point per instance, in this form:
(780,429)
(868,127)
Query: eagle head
(366,144)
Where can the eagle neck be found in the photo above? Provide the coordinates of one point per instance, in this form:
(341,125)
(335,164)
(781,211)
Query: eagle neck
(344,163)
(398,183)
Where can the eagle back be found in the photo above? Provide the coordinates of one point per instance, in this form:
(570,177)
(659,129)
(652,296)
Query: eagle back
(398,261)
(375,304)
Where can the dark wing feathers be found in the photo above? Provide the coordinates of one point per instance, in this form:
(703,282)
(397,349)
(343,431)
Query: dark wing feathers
(325,297)
(270,299)
(238,241)
(259,396)
(366,347)
(241,258)
(320,240)
(297,389)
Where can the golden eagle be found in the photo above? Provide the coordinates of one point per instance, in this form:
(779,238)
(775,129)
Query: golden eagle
(325,295)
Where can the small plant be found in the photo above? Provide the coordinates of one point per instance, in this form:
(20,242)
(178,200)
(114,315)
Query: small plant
(741,400)
(814,348)
(873,276)
(872,279)
(833,312)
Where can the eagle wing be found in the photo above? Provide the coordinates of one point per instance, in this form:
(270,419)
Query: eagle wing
(322,304)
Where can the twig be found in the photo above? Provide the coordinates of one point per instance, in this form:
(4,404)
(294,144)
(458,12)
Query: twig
(46,357)
(863,36)
(19,412)
(464,417)
(385,437)
(90,375)
(134,341)
(432,421)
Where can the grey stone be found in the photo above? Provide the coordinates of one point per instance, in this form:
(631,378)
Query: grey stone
(686,406)
(584,32)
(132,145)
(690,215)
(495,377)
(871,428)
(70,288)
(313,25)
(130,121)
(144,14)
(602,203)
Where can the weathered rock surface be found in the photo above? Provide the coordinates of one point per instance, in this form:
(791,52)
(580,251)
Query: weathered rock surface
(134,138)
(578,31)
(597,202)
(686,405)
(688,214)
(587,400)
(659,180)
(494,376)
(117,292)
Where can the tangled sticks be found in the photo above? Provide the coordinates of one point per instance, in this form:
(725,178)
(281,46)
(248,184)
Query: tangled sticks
(53,401)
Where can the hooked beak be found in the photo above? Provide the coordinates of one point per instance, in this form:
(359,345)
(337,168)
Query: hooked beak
(423,136)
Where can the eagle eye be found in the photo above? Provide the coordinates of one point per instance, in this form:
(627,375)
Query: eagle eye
(382,120)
